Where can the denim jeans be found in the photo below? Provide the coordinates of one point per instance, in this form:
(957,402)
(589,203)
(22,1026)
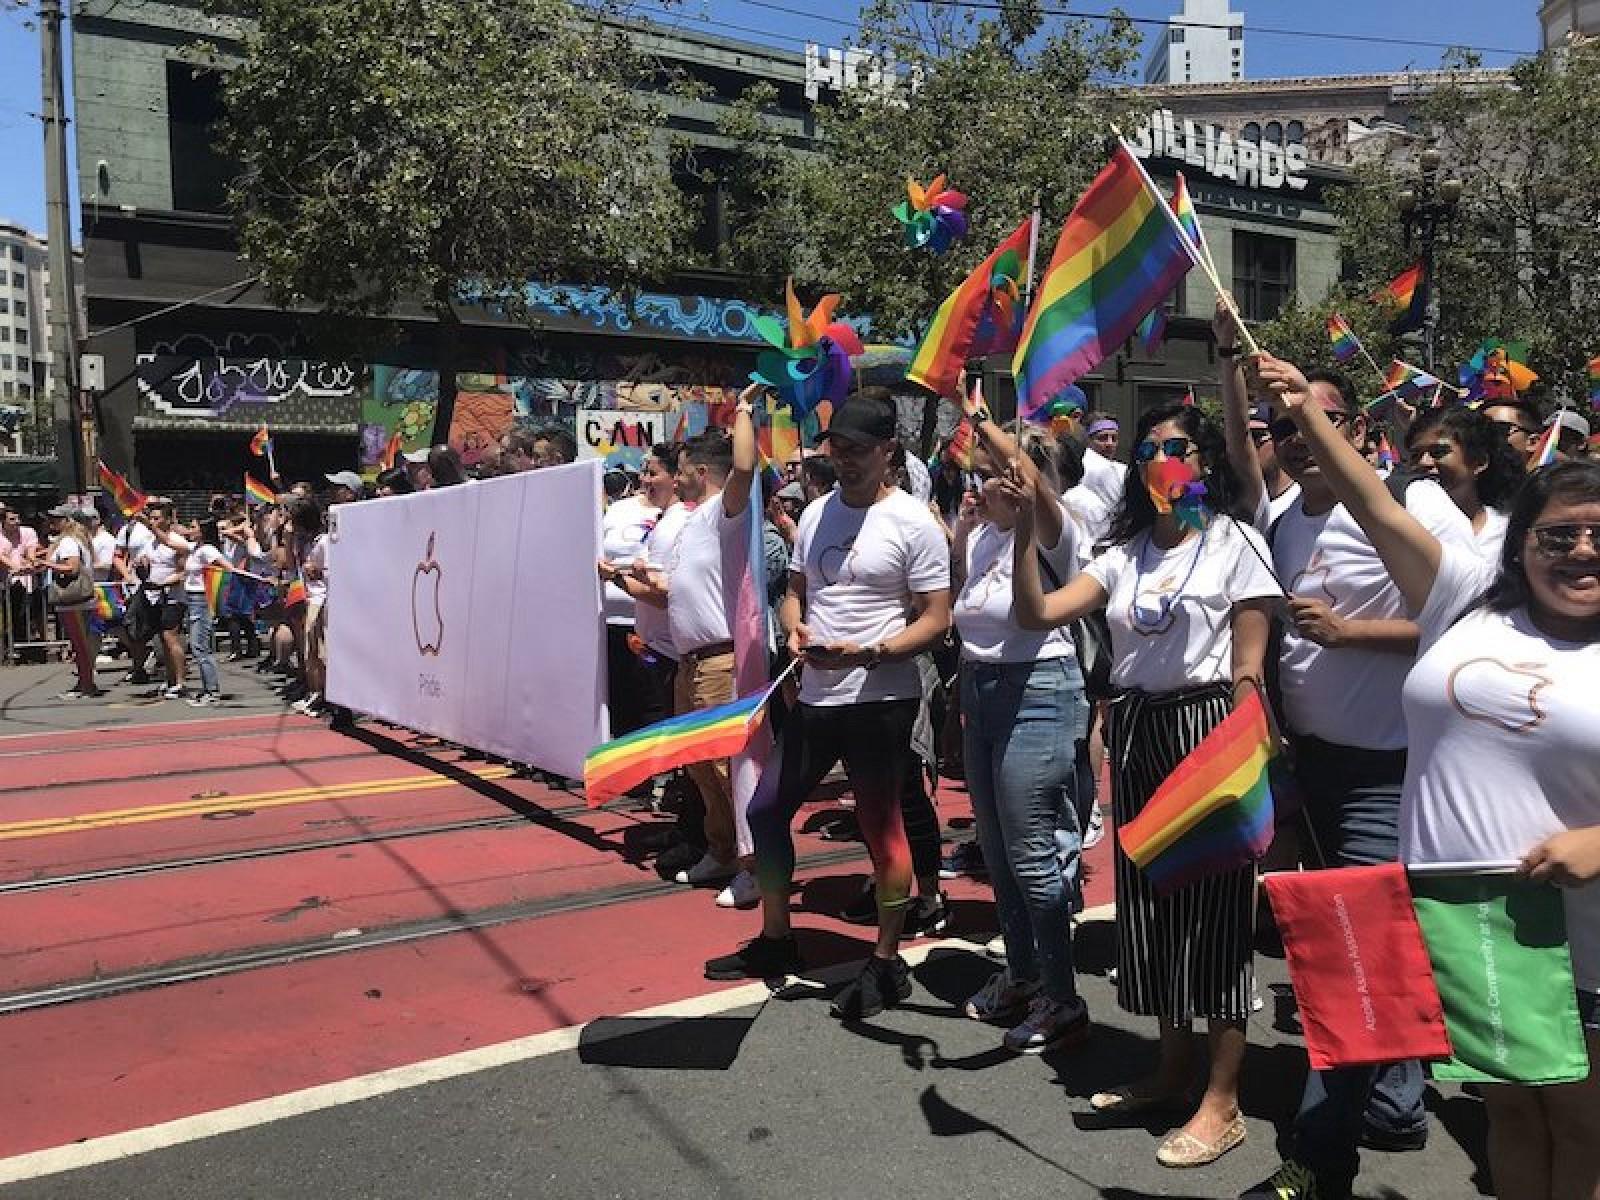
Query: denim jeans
(1023,724)
(201,625)
(1353,811)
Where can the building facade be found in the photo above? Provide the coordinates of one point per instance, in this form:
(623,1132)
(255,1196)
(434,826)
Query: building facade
(1202,44)
(1562,20)
(24,337)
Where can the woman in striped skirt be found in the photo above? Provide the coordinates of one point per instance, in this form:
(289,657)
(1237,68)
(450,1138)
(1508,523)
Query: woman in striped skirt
(1189,610)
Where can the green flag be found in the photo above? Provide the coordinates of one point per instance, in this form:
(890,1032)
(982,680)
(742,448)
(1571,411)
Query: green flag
(1498,944)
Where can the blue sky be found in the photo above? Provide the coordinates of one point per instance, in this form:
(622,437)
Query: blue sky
(1501,24)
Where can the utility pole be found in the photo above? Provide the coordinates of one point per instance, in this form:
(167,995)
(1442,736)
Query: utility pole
(63,291)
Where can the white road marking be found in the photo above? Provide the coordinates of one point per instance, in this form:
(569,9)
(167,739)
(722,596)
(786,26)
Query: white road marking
(117,1146)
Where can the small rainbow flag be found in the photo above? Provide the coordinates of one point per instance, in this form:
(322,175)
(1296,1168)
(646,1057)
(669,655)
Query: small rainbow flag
(1345,343)
(129,499)
(1121,252)
(1401,291)
(1594,382)
(215,578)
(107,601)
(295,594)
(611,769)
(1545,455)
(961,447)
(990,298)
(1212,814)
(261,444)
(1183,208)
(257,492)
(1402,379)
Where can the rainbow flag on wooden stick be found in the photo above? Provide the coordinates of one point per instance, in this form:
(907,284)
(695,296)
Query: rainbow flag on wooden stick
(611,769)
(988,303)
(1345,343)
(1212,814)
(256,492)
(295,594)
(215,579)
(108,604)
(1120,253)
(129,499)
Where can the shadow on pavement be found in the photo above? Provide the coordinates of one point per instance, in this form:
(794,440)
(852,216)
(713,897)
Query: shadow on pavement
(664,1043)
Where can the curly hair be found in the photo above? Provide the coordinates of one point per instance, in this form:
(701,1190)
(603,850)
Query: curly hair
(1137,512)
(1480,442)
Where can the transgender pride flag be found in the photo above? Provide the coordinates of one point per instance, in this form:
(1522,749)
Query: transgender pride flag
(744,579)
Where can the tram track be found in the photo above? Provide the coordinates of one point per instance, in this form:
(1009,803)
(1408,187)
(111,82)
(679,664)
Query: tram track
(350,941)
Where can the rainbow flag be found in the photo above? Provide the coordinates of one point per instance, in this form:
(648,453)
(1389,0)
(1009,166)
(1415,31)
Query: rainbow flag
(1545,455)
(609,770)
(1403,380)
(295,594)
(1594,382)
(1183,208)
(1212,814)
(1152,330)
(963,445)
(129,499)
(256,492)
(215,578)
(1345,343)
(988,303)
(107,601)
(1401,291)
(1120,253)
(261,444)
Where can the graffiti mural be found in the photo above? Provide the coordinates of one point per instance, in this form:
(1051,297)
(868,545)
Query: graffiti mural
(208,377)
(652,312)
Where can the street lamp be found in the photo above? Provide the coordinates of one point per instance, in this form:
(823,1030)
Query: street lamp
(1428,205)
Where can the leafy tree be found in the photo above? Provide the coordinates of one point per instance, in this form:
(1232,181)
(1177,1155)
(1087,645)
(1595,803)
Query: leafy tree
(1010,108)
(1521,259)
(423,150)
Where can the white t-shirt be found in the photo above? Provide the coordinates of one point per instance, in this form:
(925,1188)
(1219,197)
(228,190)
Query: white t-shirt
(1170,610)
(1504,731)
(1349,696)
(1104,477)
(652,624)
(201,557)
(1492,536)
(862,566)
(709,543)
(136,541)
(65,551)
(1280,504)
(622,532)
(105,548)
(1091,512)
(983,610)
(317,556)
(164,568)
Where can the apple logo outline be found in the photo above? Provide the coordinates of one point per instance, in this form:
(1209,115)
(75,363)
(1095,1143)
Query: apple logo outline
(1531,670)
(428,566)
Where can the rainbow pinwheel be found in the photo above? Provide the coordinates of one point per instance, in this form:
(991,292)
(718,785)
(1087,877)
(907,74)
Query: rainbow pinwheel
(1498,371)
(810,360)
(934,216)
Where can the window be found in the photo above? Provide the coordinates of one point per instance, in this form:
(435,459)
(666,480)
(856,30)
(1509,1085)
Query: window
(24,391)
(5,333)
(22,307)
(24,364)
(5,362)
(1175,34)
(1236,33)
(22,337)
(1250,133)
(18,281)
(16,253)
(1274,133)
(1295,131)
(200,175)
(1263,273)
(5,305)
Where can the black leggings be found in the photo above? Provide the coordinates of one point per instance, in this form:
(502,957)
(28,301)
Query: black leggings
(874,742)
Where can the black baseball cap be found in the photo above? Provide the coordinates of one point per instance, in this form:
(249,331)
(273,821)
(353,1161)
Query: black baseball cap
(862,420)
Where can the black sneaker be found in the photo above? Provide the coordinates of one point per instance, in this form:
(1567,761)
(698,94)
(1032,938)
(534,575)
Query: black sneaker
(1402,1141)
(927,916)
(759,958)
(883,983)
(136,678)
(678,858)
(1294,1180)
(965,859)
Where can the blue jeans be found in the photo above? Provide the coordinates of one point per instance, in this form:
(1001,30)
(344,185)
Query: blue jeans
(1023,723)
(1352,808)
(201,625)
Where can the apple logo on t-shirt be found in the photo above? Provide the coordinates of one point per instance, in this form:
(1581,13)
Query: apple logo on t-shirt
(832,560)
(1501,694)
(1315,575)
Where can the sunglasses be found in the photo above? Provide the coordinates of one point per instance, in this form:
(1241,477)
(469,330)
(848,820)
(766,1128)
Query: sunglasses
(1284,429)
(1437,451)
(1510,427)
(1559,541)
(1177,447)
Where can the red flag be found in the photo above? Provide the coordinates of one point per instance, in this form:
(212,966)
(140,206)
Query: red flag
(1359,966)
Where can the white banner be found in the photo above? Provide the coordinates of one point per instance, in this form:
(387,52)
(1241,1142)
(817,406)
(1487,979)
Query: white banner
(473,613)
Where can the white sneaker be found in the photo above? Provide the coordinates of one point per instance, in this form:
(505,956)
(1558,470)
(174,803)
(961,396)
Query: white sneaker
(308,705)
(996,948)
(1000,999)
(707,870)
(1049,1023)
(1096,830)
(741,893)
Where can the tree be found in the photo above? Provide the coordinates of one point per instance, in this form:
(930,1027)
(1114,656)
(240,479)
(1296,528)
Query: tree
(1010,109)
(1521,259)
(424,150)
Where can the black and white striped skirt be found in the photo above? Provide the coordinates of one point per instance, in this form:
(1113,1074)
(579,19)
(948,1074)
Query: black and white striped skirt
(1187,955)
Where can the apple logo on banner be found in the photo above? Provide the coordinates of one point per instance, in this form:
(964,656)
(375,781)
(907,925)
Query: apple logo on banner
(427,618)
(1501,694)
